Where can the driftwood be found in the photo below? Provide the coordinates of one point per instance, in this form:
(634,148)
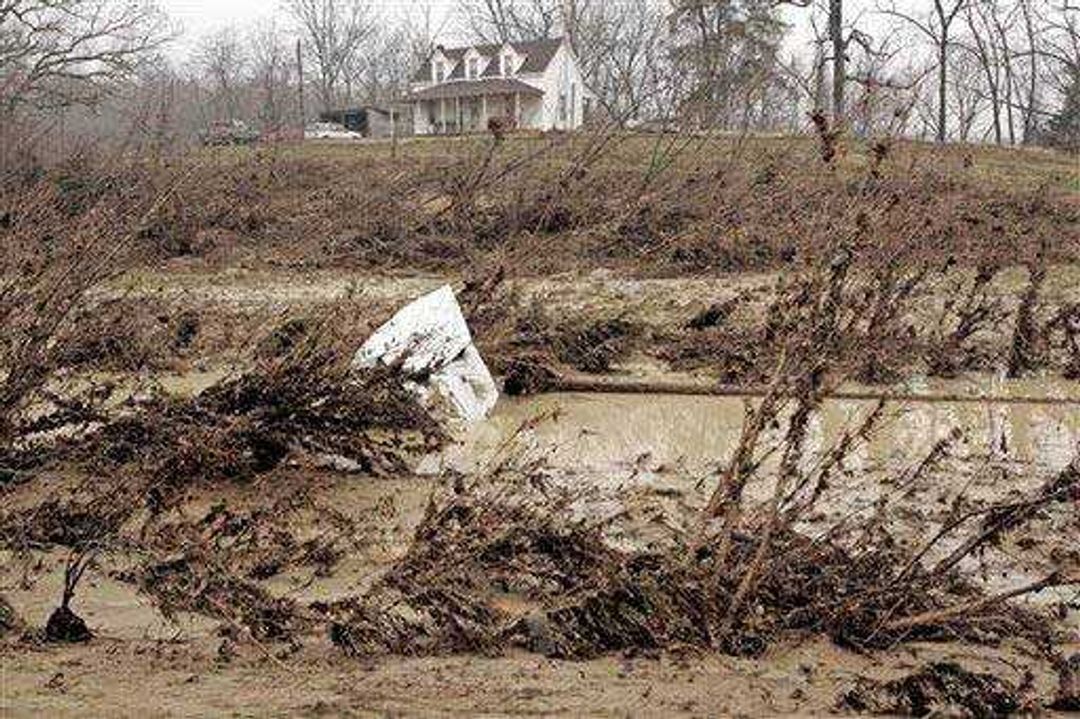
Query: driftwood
(591,384)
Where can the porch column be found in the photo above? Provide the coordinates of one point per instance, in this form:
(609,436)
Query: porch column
(457,113)
(442,113)
(483,113)
(517,111)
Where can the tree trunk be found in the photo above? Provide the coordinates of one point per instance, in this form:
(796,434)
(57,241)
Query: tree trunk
(1033,80)
(836,34)
(943,51)
(1006,62)
(995,109)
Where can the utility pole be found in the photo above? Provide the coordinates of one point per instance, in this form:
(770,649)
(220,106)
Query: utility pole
(300,84)
(393,131)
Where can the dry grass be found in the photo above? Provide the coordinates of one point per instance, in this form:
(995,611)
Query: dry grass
(647,205)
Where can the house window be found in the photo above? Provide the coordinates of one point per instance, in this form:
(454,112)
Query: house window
(562,107)
(573,102)
(507,66)
(440,71)
(473,68)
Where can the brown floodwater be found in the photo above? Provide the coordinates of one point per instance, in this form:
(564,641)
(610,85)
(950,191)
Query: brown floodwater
(605,433)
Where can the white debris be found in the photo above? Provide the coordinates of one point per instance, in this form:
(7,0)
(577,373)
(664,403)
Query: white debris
(430,338)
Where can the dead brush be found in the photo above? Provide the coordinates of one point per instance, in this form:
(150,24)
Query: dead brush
(304,399)
(60,244)
(820,313)
(969,310)
(198,582)
(747,572)
(1027,350)
(828,136)
(1066,326)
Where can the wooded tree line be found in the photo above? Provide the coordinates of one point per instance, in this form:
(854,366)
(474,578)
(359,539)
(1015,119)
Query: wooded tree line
(1005,71)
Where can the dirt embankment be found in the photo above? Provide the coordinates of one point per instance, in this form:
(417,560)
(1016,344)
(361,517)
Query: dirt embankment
(586,202)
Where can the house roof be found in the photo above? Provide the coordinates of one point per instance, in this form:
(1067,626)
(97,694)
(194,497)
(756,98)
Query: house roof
(538,55)
(476,88)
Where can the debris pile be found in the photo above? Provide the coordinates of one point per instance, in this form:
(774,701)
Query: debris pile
(195,583)
(493,569)
(308,403)
(939,689)
(538,348)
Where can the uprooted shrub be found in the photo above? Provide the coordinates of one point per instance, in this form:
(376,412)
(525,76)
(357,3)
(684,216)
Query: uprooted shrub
(64,625)
(308,400)
(577,596)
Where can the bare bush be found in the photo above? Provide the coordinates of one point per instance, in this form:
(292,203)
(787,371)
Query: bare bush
(745,573)
(63,240)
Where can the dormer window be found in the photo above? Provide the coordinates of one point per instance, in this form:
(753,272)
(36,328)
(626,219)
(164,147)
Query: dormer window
(440,71)
(472,70)
(507,65)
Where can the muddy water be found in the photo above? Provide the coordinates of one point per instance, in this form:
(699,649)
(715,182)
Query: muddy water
(655,456)
(587,433)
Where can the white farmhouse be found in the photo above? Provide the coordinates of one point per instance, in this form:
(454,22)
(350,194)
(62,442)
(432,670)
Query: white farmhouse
(533,85)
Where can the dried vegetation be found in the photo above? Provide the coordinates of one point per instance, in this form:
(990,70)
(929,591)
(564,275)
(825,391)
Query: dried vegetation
(881,269)
(742,574)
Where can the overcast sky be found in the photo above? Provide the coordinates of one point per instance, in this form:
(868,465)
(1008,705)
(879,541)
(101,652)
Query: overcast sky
(199,17)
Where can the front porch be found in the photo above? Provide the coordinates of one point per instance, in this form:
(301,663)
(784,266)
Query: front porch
(462,108)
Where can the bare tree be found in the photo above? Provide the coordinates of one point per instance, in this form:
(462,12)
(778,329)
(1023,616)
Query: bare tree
(839,59)
(983,45)
(272,74)
(937,27)
(1031,99)
(334,31)
(69,52)
(969,96)
(382,75)
(420,32)
(1059,46)
(501,21)
(1058,50)
(623,51)
(222,60)
(726,50)
(842,36)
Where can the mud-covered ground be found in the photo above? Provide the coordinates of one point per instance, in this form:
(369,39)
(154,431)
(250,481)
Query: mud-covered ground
(192,665)
(650,458)
(176,320)
(235,547)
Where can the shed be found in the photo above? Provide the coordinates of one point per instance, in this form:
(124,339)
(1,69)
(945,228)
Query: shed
(368,120)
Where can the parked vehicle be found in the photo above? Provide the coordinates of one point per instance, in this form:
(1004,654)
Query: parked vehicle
(329,131)
(229,132)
